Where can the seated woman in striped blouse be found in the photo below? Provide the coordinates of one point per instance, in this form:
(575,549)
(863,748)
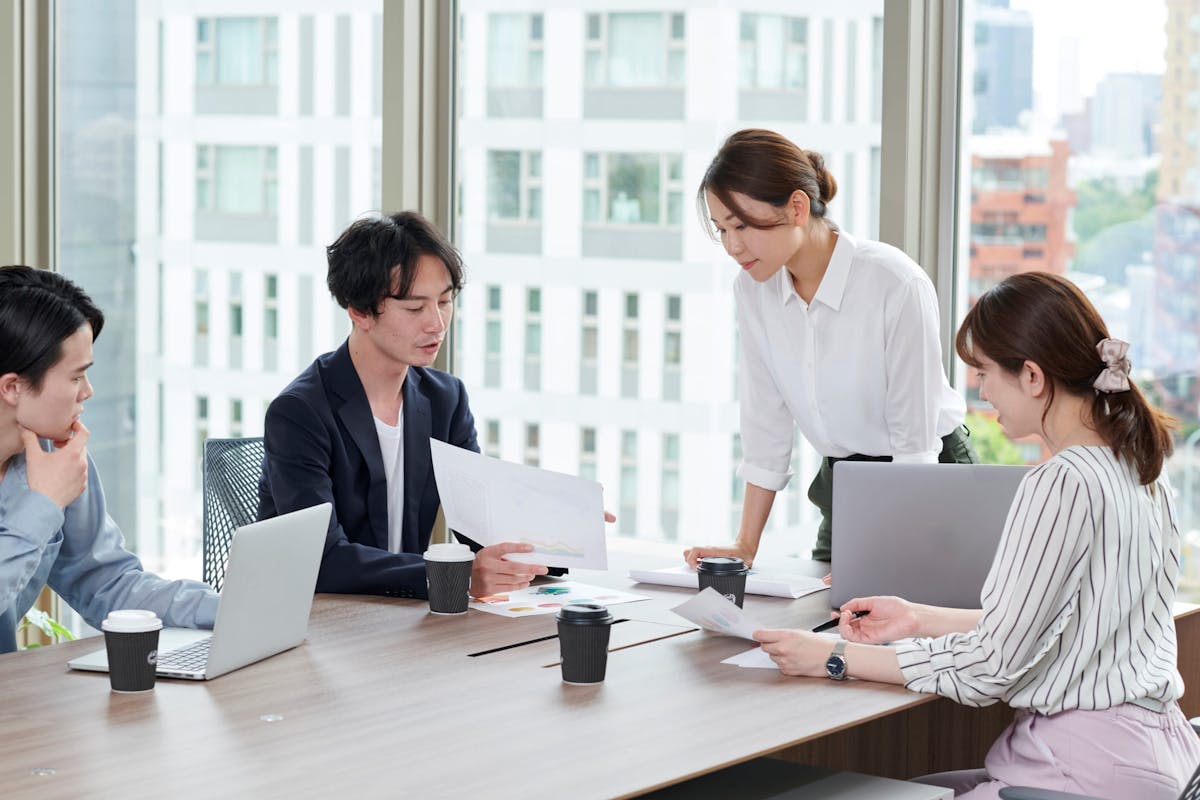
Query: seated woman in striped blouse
(1075,630)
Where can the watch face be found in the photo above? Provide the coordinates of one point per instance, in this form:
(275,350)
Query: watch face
(835,667)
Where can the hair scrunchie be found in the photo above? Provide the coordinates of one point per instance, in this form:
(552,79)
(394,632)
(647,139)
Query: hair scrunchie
(1115,375)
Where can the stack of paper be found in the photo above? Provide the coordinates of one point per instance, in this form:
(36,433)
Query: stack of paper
(775,585)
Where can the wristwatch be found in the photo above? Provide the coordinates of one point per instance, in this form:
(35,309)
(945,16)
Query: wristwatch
(835,665)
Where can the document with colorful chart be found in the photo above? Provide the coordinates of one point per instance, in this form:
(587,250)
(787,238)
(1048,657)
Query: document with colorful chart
(549,598)
(494,501)
(710,610)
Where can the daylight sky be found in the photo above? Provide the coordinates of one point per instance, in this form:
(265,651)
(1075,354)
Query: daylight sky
(1110,35)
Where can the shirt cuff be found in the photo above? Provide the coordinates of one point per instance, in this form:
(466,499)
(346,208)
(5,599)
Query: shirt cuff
(916,663)
(765,478)
(928,457)
(206,612)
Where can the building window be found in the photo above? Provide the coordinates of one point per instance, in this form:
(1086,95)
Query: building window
(773,53)
(670,486)
(629,347)
(533,444)
(201,436)
(672,382)
(235,320)
(514,185)
(629,50)
(738,486)
(200,303)
(237,51)
(633,189)
(235,418)
(271,323)
(236,179)
(492,343)
(589,343)
(491,442)
(533,339)
(515,50)
(627,518)
(587,453)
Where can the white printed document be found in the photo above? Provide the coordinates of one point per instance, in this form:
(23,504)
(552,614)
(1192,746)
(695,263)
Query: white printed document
(758,658)
(494,501)
(710,610)
(548,598)
(757,582)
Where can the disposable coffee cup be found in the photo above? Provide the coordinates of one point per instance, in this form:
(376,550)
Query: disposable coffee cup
(583,631)
(448,576)
(131,638)
(726,574)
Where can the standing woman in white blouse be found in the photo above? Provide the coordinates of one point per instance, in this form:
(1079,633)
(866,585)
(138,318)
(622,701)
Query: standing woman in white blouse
(1076,630)
(838,336)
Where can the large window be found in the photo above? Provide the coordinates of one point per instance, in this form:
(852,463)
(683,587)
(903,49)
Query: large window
(1081,160)
(201,168)
(634,325)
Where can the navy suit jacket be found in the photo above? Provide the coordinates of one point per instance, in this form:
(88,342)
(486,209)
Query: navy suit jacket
(321,446)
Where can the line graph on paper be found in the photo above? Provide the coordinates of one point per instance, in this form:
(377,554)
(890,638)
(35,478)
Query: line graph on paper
(554,548)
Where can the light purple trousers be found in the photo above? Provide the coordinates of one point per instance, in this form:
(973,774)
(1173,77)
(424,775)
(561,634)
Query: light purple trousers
(1124,753)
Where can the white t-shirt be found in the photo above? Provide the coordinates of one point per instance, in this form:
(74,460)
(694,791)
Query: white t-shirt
(391,444)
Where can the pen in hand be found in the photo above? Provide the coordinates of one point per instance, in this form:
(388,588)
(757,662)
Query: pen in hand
(833,623)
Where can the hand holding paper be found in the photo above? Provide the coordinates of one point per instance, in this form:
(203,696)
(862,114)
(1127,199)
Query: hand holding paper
(713,612)
(560,516)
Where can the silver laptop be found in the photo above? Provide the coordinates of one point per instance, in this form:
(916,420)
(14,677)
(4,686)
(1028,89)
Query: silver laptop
(265,601)
(924,532)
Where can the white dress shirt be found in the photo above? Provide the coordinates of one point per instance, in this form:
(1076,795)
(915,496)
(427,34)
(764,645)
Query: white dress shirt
(859,369)
(1077,606)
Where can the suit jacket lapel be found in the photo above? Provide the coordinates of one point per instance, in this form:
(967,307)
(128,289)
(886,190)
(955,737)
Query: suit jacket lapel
(355,413)
(418,427)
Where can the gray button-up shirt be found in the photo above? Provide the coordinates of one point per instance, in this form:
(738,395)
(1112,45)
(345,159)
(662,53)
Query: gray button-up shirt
(81,554)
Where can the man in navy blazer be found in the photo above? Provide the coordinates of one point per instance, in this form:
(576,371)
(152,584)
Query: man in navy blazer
(353,429)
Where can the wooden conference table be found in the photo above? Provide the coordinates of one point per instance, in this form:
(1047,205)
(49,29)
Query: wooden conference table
(384,701)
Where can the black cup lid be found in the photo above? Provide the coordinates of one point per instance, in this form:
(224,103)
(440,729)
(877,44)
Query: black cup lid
(584,612)
(721,565)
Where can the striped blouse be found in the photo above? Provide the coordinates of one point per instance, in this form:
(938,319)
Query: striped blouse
(1077,607)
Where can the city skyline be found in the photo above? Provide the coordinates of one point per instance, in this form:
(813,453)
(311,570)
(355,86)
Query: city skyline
(251,151)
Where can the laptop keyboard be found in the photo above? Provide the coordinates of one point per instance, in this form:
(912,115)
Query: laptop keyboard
(190,658)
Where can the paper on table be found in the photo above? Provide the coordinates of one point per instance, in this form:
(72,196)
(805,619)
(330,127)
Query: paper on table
(757,658)
(711,611)
(548,598)
(494,501)
(775,585)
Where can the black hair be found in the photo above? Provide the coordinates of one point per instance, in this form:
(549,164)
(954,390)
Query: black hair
(39,309)
(365,256)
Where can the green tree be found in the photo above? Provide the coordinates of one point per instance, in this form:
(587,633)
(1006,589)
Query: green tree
(1100,204)
(990,442)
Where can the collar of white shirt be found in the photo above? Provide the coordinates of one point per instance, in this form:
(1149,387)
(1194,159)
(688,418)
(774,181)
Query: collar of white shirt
(833,284)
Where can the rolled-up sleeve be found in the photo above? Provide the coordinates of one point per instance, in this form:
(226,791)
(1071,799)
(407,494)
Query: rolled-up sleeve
(26,527)
(1029,598)
(95,574)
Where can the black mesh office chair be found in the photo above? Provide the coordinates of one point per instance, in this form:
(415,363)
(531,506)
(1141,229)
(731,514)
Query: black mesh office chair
(231,468)
(1190,792)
